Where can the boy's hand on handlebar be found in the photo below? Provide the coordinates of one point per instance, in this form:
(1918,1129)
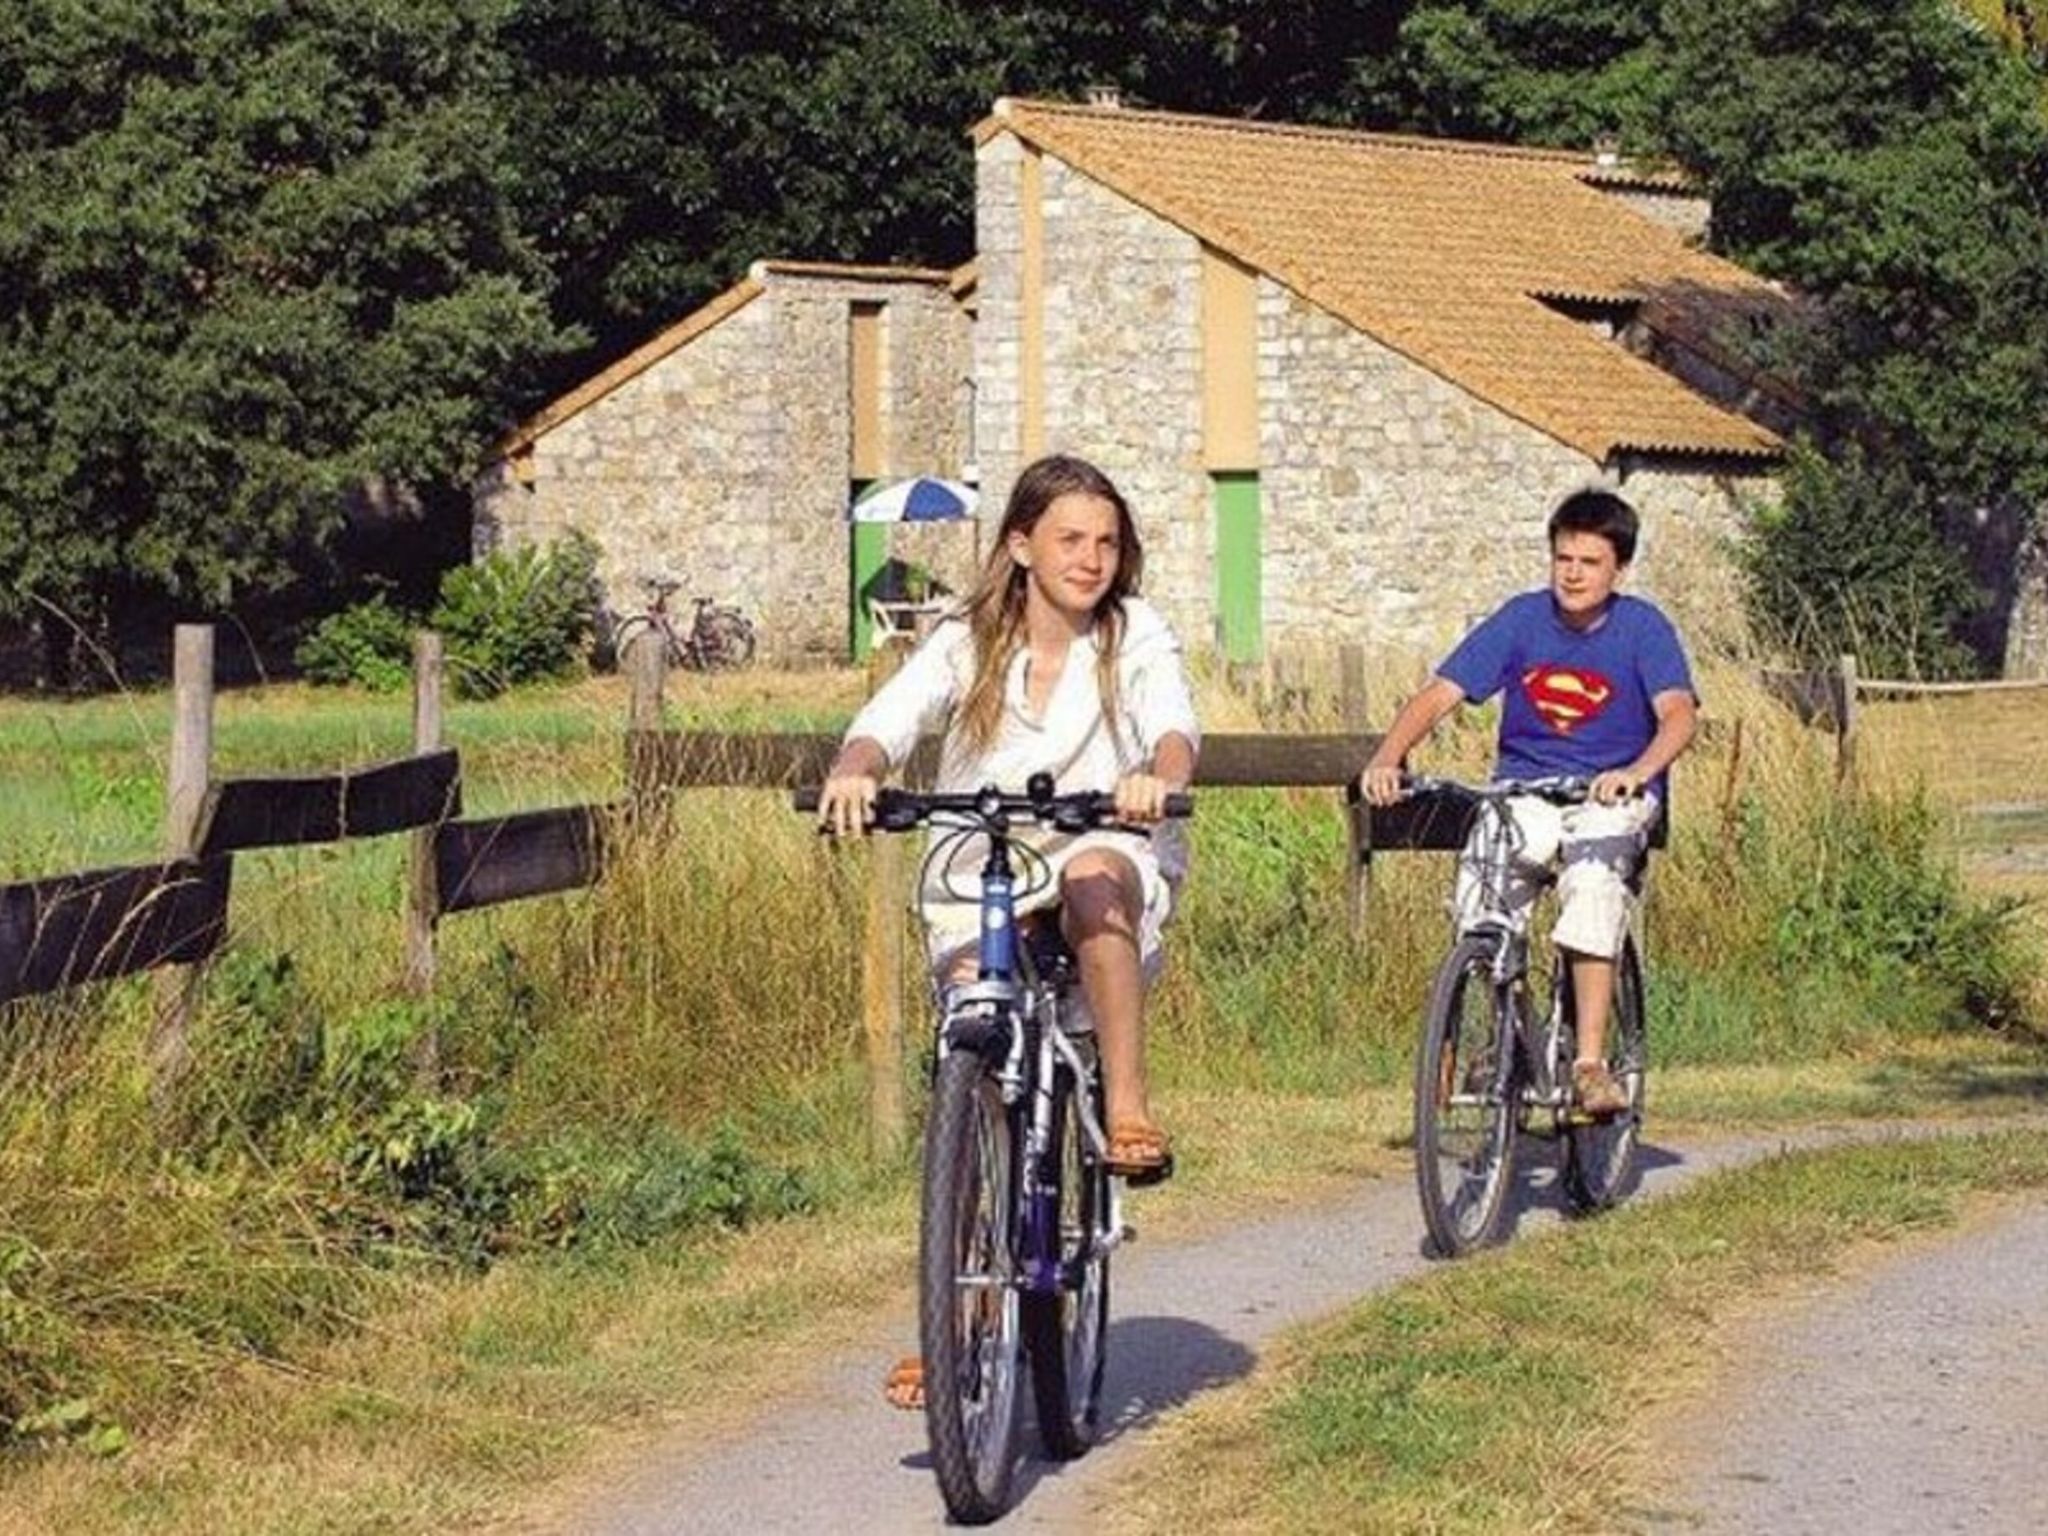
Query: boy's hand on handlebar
(1141,798)
(1615,786)
(846,804)
(1381,785)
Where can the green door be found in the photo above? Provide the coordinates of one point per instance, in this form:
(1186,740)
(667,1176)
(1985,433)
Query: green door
(870,552)
(1239,585)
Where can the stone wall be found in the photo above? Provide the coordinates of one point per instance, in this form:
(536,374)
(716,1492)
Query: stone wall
(1122,314)
(1399,509)
(727,462)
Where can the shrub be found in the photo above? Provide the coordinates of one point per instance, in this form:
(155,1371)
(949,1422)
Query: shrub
(369,644)
(1853,560)
(520,616)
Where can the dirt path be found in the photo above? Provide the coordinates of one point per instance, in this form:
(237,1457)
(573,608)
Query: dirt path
(1185,1318)
(1909,1400)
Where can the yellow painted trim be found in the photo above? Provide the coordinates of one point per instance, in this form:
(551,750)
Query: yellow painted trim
(1230,363)
(864,386)
(1031,383)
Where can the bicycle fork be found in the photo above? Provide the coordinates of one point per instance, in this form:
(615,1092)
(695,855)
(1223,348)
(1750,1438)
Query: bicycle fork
(1044,1271)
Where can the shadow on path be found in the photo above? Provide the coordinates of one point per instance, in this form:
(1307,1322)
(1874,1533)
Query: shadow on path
(1155,1365)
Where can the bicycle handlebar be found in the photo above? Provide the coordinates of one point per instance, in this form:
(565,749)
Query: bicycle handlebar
(1561,789)
(899,810)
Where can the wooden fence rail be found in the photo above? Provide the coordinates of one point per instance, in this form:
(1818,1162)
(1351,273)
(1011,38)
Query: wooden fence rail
(67,930)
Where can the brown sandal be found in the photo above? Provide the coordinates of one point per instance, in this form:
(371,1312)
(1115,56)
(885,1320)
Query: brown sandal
(1139,1152)
(903,1387)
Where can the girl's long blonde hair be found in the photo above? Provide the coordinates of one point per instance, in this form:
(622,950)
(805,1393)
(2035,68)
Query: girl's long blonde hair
(995,609)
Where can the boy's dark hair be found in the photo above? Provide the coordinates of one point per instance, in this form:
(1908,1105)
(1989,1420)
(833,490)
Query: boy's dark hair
(1600,512)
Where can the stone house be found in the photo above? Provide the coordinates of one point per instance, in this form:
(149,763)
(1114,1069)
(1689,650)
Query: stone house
(724,451)
(1343,376)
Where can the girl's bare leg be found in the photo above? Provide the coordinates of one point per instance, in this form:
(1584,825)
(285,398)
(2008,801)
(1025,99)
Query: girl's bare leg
(1101,899)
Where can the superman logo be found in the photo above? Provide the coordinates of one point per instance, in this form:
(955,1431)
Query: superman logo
(1566,697)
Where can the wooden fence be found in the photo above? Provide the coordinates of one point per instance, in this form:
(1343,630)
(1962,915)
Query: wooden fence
(171,916)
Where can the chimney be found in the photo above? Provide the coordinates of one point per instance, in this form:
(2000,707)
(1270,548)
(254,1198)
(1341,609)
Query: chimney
(1110,97)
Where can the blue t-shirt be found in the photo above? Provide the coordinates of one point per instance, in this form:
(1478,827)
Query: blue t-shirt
(1575,701)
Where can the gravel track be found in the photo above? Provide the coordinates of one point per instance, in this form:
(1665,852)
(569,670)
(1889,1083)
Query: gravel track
(1910,1400)
(1185,1318)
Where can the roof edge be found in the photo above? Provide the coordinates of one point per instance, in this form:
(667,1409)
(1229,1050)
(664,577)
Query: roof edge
(867,272)
(1006,113)
(629,367)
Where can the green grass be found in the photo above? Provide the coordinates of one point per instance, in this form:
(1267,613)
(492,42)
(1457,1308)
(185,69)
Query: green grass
(634,1074)
(1502,1393)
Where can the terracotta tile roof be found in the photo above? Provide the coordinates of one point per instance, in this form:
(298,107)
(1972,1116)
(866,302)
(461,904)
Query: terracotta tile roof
(695,324)
(1438,249)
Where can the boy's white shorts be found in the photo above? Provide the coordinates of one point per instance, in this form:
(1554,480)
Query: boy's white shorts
(1599,853)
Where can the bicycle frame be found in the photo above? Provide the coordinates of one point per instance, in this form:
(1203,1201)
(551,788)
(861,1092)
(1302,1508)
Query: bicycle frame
(1491,849)
(1013,1011)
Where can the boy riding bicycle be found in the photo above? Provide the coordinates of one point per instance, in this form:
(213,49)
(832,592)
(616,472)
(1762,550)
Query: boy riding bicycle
(1053,665)
(1596,685)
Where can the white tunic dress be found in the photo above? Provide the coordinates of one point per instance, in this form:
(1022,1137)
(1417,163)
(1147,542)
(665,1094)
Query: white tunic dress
(1071,741)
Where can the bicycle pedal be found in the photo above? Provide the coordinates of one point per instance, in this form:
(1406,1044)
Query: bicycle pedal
(1141,1178)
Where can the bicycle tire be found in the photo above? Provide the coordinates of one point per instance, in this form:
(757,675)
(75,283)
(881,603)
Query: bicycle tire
(726,639)
(1066,1335)
(1467,1052)
(1599,1156)
(968,1315)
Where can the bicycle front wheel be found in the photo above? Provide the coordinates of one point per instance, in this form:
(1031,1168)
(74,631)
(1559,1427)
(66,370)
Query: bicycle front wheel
(1066,1331)
(968,1309)
(1599,1156)
(1465,1092)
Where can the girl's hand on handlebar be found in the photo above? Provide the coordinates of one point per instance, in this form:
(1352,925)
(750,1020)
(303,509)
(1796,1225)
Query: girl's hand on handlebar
(846,804)
(1615,786)
(1381,785)
(1141,798)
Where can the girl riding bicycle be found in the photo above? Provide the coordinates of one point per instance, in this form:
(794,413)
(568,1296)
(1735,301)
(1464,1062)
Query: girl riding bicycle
(1054,665)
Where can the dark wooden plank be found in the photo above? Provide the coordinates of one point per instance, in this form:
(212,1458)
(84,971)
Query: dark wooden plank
(1283,761)
(1439,823)
(366,802)
(784,760)
(1816,698)
(76,928)
(507,858)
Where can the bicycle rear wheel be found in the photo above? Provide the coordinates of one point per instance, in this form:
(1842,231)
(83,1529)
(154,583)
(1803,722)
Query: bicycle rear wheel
(1599,1156)
(968,1312)
(1066,1332)
(1465,1093)
(726,638)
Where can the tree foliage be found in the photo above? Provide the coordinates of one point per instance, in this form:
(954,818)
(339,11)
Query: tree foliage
(252,257)
(665,147)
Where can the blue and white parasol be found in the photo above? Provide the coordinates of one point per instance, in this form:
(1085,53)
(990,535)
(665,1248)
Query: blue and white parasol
(918,499)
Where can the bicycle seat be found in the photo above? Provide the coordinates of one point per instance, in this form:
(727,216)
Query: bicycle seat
(660,583)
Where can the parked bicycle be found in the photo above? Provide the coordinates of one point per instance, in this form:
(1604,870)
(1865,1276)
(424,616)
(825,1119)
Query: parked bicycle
(718,635)
(1019,1215)
(1488,1067)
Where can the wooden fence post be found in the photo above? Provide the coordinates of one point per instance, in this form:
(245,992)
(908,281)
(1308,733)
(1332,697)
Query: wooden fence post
(187,777)
(422,895)
(1354,708)
(646,663)
(881,971)
(1845,723)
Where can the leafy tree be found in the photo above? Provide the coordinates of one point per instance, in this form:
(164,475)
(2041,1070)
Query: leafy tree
(1893,164)
(252,257)
(664,147)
